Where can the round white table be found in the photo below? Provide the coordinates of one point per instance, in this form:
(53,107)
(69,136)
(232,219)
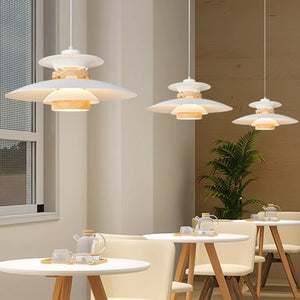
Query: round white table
(188,251)
(274,230)
(64,273)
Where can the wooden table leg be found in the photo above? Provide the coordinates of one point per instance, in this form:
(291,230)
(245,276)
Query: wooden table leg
(214,260)
(97,287)
(181,265)
(66,288)
(260,230)
(57,288)
(191,269)
(62,289)
(284,261)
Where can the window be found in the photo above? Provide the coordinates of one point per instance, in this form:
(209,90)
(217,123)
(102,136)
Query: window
(21,123)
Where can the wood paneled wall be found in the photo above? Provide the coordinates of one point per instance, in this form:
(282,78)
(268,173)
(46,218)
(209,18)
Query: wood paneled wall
(229,56)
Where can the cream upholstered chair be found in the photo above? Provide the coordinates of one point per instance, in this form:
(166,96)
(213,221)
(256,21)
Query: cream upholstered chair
(290,237)
(237,260)
(152,284)
(177,287)
(257,258)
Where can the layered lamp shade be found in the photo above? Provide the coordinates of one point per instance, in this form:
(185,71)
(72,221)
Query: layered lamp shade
(71,88)
(265,117)
(189,104)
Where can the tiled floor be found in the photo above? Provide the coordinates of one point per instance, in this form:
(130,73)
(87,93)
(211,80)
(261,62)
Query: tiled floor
(280,291)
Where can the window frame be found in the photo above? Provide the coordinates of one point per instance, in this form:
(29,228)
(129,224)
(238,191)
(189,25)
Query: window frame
(27,213)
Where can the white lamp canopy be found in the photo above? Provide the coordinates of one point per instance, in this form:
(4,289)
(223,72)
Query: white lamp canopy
(189,104)
(265,117)
(71,88)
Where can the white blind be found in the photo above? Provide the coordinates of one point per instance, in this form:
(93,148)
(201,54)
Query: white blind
(16,62)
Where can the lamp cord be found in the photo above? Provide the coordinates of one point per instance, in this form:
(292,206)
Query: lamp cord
(189,39)
(71,25)
(265,48)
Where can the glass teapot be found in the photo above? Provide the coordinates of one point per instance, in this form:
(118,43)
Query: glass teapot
(271,212)
(205,224)
(88,244)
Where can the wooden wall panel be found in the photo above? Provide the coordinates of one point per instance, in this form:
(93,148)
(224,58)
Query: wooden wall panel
(229,56)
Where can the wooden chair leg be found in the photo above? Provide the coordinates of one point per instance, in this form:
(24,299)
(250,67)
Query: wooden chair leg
(293,270)
(251,287)
(241,283)
(266,268)
(210,290)
(97,287)
(230,287)
(57,288)
(236,289)
(204,289)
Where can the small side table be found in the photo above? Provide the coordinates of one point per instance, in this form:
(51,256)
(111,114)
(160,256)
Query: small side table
(188,251)
(64,273)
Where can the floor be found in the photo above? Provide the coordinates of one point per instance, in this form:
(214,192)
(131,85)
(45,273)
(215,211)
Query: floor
(275,290)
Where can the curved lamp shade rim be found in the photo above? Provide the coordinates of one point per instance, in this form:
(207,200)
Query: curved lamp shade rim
(265,103)
(209,105)
(189,85)
(249,119)
(67,60)
(103,91)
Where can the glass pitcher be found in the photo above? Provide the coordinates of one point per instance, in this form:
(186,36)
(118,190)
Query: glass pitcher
(205,224)
(271,212)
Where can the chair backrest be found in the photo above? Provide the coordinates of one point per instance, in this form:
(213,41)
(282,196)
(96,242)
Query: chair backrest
(155,283)
(241,253)
(288,234)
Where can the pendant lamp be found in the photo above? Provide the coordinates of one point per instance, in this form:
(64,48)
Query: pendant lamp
(71,88)
(265,117)
(189,104)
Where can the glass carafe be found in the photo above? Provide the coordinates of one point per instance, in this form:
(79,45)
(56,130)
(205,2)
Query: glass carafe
(206,225)
(271,212)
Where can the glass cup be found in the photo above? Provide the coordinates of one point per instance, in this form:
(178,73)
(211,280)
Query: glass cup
(255,217)
(61,256)
(186,230)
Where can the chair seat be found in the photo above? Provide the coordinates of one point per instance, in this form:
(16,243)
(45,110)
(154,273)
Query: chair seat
(258,259)
(288,248)
(181,287)
(228,270)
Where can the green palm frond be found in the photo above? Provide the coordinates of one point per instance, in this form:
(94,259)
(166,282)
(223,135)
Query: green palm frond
(230,174)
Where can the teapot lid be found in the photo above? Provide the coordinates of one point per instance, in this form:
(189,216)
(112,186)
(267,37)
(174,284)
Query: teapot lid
(270,204)
(205,214)
(87,231)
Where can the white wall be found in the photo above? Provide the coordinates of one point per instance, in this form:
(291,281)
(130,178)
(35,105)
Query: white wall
(140,165)
(39,239)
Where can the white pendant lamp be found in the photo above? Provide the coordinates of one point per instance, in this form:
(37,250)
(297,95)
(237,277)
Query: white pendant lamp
(189,104)
(71,88)
(265,117)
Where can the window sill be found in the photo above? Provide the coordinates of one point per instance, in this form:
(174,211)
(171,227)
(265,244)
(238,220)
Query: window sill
(28,218)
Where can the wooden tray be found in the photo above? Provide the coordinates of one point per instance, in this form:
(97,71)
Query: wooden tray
(71,262)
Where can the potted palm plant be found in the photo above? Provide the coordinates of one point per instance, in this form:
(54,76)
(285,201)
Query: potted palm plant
(230,174)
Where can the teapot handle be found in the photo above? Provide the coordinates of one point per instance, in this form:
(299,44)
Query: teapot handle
(216,218)
(104,242)
(278,207)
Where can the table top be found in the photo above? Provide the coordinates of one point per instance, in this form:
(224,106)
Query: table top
(222,237)
(34,267)
(272,223)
